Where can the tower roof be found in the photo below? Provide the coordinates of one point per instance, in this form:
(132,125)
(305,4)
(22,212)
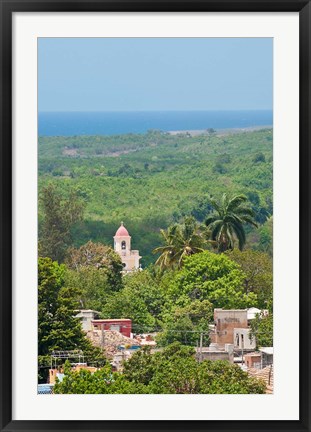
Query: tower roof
(122,231)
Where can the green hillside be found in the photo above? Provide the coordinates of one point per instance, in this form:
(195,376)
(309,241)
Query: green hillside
(150,180)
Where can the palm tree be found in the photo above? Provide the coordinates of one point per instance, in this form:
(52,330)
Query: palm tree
(181,240)
(227,220)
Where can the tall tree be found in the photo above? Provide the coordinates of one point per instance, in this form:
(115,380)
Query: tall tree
(100,257)
(212,277)
(227,221)
(181,240)
(257,267)
(184,324)
(58,329)
(60,214)
(262,330)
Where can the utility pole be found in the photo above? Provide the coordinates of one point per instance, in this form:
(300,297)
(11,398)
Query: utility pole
(201,345)
(102,337)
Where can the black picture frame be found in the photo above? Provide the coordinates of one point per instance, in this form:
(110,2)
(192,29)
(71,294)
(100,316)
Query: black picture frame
(7,9)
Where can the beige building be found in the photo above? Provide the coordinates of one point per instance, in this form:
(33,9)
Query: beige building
(87,316)
(214,352)
(242,339)
(225,321)
(232,327)
(122,245)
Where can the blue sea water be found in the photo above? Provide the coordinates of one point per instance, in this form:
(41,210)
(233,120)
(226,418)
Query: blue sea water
(115,123)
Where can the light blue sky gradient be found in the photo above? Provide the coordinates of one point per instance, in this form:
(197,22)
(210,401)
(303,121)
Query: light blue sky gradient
(140,74)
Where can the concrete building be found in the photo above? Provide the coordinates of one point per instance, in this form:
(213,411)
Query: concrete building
(259,359)
(266,356)
(87,316)
(59,373)
(225,321)
(242,340)
(214,352)
(253,360)
(252,312)
(122,245)
(123,326)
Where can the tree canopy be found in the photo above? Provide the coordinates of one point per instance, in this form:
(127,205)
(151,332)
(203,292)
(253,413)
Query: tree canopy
(171,371)
(212,277)
(262,330)
(257,267)
(227,221)
(176,182)
(58,329)
(181,240)
(60,213)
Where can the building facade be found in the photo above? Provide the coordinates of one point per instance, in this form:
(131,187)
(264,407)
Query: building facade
(243,340)
(225,321)
(123,326)
(122,245)
(87,316)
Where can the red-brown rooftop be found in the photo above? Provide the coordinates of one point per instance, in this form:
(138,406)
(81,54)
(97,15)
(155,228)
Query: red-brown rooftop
(122,231)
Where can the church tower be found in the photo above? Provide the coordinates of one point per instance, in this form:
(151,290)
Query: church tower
(122,245)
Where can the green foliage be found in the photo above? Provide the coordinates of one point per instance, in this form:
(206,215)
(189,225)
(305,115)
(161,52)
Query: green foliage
(58,329)
(266,237)
(221,377)
(103,381)
(178,179)
(149,286)
(126,304)
(171,371)
(224,158)
(262,330)
(220,168)
(95,272)
(175,370)
(141,367)
(153,181)
(178,329)
(98,256)
(216,278)
(227,221)
(91,287)
(259,157)
(181,240)
(257,267)
(184,324)
(60,214)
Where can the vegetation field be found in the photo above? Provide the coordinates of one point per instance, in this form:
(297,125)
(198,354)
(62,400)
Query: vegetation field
(152,180)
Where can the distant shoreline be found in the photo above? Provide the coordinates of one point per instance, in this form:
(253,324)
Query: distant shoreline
(124,123)
(192,132)
(220,132)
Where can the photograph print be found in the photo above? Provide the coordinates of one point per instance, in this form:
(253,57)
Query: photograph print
(155,216)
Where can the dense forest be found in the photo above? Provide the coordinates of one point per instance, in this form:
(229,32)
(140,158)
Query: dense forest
(151,181)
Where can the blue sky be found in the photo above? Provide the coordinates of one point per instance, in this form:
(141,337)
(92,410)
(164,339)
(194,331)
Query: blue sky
(138,74)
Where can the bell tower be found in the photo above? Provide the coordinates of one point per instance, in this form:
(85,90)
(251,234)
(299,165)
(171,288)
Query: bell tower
(122,245)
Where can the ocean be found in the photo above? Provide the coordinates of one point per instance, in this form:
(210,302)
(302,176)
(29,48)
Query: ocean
(117,123)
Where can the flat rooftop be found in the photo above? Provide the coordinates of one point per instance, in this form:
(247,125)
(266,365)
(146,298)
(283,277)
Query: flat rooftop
(266,350)
(111,320)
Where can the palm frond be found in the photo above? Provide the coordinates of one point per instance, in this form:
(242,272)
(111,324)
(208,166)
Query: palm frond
(235,202)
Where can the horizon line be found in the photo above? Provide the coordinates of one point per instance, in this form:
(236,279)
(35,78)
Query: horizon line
(156,110)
